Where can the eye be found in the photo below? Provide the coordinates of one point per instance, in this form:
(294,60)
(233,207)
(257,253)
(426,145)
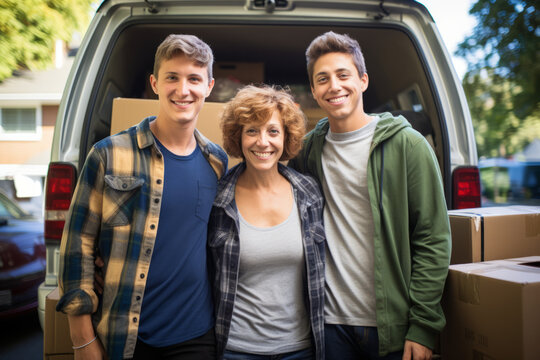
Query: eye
(274,131)
(195,79)
(343,76)
(321,79)
(250,131)
(171,78)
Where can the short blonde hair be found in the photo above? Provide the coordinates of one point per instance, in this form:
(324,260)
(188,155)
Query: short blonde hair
(256,105)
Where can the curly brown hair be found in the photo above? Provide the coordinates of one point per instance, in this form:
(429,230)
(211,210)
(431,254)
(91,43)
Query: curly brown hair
(253,104)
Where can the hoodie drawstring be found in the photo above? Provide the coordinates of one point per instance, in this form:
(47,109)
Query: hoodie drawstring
(381,180)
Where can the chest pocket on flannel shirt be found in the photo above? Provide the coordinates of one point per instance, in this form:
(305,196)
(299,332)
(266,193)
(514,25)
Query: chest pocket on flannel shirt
(119,198)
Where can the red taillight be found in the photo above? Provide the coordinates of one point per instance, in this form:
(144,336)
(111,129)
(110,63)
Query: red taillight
(60,185)
(466,187)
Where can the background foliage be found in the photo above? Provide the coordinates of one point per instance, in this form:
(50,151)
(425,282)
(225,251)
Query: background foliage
(29,28)
(502,82)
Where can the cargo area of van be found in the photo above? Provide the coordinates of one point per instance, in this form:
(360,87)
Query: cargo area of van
(274,54)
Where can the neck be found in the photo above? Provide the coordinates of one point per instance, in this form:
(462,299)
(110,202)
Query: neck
(178,138)
(349,124)
(257,179)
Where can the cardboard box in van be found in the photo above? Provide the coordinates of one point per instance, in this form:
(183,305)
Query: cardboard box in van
(243,72)
(128,112)
(492,310)
(492,233)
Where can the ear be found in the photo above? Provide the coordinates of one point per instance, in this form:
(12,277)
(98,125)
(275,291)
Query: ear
(153,83)
(210,87)
(364,79)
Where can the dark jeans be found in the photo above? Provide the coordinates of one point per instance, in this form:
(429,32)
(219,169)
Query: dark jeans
(306,354)
(344,342)
(200,348)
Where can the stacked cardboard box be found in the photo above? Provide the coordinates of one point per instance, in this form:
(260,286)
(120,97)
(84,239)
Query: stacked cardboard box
(493,310)
(494,233)
(492,295)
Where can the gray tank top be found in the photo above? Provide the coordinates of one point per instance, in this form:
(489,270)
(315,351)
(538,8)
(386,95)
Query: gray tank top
(269,315)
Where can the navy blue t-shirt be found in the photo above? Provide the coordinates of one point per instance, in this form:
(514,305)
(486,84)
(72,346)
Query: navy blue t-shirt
(177,304)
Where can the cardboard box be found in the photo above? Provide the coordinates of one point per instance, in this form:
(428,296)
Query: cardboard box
(492,310)
(493,233)
(128,112)
(243,72)
(56,341)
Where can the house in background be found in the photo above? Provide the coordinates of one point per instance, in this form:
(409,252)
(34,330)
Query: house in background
(29,102)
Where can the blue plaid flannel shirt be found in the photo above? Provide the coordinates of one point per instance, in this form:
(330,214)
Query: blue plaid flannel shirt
(115,213)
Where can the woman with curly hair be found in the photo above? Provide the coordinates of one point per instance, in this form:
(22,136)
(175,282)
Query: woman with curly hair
(266,235)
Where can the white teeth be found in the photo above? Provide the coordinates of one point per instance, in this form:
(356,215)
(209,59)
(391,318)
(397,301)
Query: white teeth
(262,154)
(181,103)
(336,100)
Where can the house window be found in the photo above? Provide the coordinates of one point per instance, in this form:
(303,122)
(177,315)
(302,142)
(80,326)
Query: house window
(20,124)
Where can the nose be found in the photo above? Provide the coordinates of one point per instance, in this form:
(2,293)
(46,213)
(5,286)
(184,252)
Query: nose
(334,83)
(182,88)
(262,139)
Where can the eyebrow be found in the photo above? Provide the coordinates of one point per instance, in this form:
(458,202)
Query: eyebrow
(337,71)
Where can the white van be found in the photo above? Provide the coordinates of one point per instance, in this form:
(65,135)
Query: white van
(258,41)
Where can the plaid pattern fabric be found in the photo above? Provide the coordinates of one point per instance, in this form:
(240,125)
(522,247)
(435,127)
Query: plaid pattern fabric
(115,214)
(225,251)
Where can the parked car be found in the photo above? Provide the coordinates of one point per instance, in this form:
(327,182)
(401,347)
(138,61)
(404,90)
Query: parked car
(255,41)
(22,258)
(507,182)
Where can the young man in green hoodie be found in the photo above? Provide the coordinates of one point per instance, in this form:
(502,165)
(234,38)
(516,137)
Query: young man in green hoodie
(386,222)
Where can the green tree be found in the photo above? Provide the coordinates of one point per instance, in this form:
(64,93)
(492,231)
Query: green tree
(502,82)
(29,28)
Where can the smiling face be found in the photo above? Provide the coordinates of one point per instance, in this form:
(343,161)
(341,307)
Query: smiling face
(182,86)
(262,145)
(338,89)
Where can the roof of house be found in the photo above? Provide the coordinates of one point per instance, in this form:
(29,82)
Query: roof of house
(43,85)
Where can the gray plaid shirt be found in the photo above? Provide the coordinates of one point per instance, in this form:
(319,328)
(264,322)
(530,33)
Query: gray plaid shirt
(225,249)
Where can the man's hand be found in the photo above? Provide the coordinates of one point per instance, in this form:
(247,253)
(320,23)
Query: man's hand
(94,351)
(98,275)
(416,351)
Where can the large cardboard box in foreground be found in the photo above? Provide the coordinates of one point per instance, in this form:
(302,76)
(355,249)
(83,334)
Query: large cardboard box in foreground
(492,310)
(492,233)
(57,341)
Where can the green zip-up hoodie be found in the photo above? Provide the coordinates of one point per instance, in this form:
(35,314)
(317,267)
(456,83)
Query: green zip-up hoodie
(412,232)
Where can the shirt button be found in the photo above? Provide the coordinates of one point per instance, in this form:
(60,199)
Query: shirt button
(138,298)
(142,276)
(152,226)
(156,200)
(158,181)
(124,185)
(148,251)
(134,319)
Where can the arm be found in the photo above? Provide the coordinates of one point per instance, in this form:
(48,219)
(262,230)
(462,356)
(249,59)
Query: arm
(430,244)
(82,332)
(76,273)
